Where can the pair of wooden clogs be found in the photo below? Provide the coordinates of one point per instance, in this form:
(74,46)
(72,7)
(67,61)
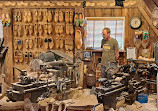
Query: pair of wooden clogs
(59,41)
(69,29)
(68,44)
(59,16)
(49,43)
(37,42)
(18,16)
(48,29)
(27,16)
(79,19)
(28,56)
(38,16)
(5,18)
(69,16)
(28,43)
(28,29)
(18,56)
(38,29)
(48,16)
(18,30)
(18,44)
(59,28)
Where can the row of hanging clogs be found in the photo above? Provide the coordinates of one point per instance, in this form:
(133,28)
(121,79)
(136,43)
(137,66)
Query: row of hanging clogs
(5,18)
(19,57)
(45,16)
(79,19)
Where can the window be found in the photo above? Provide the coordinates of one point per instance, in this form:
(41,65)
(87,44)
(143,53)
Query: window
(95,26)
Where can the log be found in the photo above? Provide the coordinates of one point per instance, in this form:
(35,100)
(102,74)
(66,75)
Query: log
(11,106)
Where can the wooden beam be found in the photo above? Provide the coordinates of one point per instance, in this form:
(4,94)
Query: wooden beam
(156,2)
(150,4)
(148,19)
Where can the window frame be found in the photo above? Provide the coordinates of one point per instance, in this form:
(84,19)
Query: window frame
(106,18)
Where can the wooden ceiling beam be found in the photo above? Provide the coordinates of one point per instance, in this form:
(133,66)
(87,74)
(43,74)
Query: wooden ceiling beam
(148,19)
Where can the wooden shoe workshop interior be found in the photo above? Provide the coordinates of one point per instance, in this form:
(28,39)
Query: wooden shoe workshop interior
(32,28)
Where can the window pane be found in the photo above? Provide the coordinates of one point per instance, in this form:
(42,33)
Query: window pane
(95,27)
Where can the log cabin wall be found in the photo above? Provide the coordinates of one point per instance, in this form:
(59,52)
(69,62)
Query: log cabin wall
(100,8)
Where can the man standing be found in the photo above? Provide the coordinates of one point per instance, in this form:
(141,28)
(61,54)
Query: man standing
(110,53)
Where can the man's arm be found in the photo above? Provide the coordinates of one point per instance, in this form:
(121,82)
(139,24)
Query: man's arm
(116,50)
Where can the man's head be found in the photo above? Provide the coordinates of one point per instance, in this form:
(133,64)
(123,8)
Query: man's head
(106,33)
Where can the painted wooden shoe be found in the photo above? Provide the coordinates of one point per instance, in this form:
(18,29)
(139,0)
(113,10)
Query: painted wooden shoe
(45,29)
(145,43)
(81,19)
(19,16)
(25,16)
(20,44)
(67,29)
(61,28)
(27,43)
(40,29)
(15,44)
(50,43)
(39,42)
(31,29)
(7,19)
(3,18)
(71,29)
(40,16)
(26,30)
(71,16)
(26,57)
(76,20)
(36,16)
(30,43)
(30,56)
(46,43)
(45,16)
(15,30)
(50,29)
(16,16)
(35,29)
(49,15)
(16,59)
(20,56)
(56,17)
(29,16)
(78,39)
(137,43)
(57,28)
(67,14)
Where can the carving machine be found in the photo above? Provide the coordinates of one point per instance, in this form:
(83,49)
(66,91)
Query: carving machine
(127,82)
(53,70)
